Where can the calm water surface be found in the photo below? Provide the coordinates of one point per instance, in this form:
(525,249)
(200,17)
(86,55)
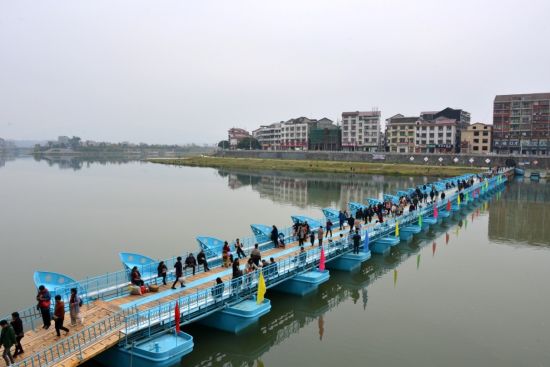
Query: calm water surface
(472,292)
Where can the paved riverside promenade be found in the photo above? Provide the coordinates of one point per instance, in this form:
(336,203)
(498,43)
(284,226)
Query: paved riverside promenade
(540,163)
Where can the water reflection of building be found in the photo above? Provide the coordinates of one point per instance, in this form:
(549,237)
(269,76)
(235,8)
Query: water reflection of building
(284,190)
(521,215)
(321,190)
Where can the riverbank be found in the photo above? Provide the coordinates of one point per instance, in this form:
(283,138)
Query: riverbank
(255,164)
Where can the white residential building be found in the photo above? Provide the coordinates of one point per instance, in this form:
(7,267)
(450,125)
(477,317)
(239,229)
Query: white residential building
(437,136)
(361,130)
(294,133)
(400,133)
(269,136)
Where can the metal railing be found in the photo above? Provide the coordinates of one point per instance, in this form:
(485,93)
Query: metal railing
(76,343)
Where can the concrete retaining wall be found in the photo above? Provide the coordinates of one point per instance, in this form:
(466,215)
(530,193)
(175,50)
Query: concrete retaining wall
(527,162)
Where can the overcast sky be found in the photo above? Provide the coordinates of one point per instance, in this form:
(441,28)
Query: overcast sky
(185,71)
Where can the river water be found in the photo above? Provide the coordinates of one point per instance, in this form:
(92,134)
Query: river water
(472,292)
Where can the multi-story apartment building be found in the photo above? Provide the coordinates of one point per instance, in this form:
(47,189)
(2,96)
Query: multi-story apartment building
(300,133)
(431,132)
(521,123)
(439,132)
(400,133)
(361,130)
(437,136)
(295,133)
(476,138)
(235,135)
(269,136)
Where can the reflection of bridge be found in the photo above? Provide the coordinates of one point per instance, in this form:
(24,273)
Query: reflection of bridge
(521,215)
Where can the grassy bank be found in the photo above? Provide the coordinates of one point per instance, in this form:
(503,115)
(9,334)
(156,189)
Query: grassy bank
(253,164)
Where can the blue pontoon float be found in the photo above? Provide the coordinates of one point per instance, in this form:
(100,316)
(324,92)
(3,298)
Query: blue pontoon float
(394,199)
(408,231)
(237,317)
(262,232)
(403,193)
(212,246)
(160,350)
(51,280)
(382,245)
(313,223)
(373,202)
(303,283)
(331,214)
(427,222)
(355,206)
(146,265)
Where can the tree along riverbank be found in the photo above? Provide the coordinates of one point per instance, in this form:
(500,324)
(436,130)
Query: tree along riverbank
(255,164)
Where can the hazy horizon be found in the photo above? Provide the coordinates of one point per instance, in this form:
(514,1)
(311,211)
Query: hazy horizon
(177,72)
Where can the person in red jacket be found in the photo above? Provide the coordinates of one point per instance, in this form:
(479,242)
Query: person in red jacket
(44,301)
(59,316)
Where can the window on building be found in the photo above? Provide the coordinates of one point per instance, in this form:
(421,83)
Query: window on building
(476,141)
(476,148)
(476,133)
(484,148)
(484,141)
(485,133)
